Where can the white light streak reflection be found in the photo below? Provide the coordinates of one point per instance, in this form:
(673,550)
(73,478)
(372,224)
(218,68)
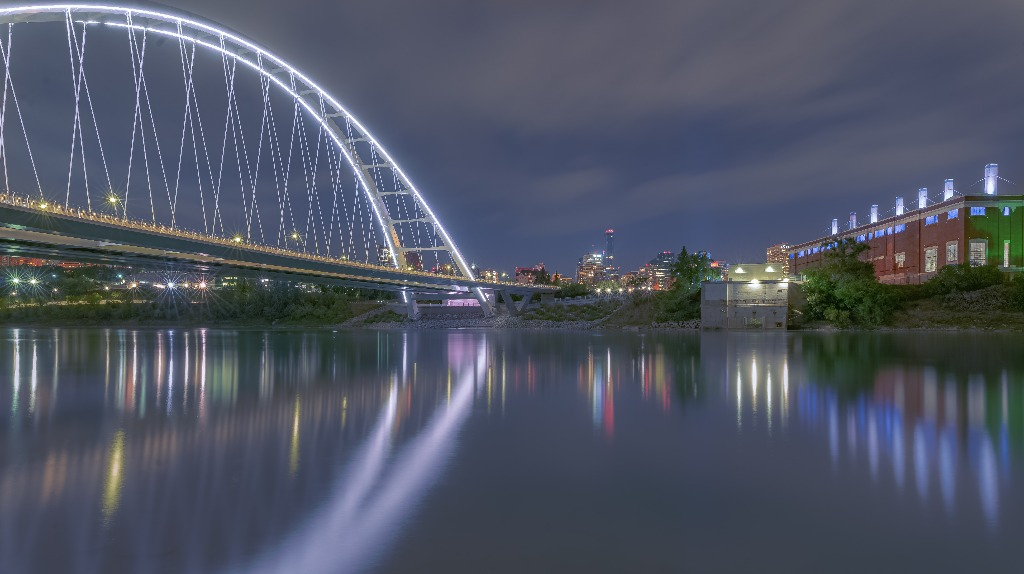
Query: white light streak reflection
(369,500)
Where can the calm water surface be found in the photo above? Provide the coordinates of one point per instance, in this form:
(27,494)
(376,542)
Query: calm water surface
(250,451)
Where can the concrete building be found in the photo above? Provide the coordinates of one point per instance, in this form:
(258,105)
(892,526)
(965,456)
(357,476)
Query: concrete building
(912,245)
(745,304)
(747,272)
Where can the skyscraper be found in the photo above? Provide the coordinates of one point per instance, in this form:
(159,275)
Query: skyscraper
(609,247)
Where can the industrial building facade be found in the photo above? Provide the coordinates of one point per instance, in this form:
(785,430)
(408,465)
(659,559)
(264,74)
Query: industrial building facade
(911,247)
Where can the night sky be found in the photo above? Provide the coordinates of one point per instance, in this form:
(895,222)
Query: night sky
(724,125)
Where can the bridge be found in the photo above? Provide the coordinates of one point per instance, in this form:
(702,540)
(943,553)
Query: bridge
(195,147)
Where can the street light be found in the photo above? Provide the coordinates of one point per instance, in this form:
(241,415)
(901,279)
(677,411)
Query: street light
(237,239)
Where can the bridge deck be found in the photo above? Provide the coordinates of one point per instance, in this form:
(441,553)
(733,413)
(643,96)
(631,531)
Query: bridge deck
(31,228)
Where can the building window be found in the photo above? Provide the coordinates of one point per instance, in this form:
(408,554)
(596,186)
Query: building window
(902,227)
(1006,253)
(901,259)
(976,256)
(1006,211)
(977,211)
(931,258)
(888,231)
(931,219)
(861,238)
(951,252)
(953,214)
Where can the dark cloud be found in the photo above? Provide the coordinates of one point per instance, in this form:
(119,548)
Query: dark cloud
(727,125)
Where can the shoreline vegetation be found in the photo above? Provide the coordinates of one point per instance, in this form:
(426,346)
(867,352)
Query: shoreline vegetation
(842,294)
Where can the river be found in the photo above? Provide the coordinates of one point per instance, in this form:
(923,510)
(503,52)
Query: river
(207,450)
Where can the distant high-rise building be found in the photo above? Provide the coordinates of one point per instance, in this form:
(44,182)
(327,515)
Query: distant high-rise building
(488,275)
(661,270)
(384,257)
(590,269)
(609,247)
(779,254)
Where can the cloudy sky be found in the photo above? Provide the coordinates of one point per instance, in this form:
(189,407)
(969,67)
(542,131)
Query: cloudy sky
(723,125)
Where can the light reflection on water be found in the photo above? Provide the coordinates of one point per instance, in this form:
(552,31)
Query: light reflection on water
(205,450)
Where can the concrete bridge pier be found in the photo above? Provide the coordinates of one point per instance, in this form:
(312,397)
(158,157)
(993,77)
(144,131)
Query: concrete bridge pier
(411,307)
(515,309)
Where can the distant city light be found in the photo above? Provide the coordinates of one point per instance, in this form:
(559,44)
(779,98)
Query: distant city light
(170,285)
(202,285)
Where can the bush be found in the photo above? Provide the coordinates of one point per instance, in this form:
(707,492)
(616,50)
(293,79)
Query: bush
(962,278)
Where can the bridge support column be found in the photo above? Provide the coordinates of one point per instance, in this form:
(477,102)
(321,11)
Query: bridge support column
(411,307)
(514,308)
(485,303)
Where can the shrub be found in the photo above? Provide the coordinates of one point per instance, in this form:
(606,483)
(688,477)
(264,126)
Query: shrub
(962,278)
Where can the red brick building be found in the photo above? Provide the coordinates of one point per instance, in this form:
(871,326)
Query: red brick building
(910,248)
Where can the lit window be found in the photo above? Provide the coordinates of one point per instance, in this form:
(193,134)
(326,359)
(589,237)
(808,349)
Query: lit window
(951,252)
(870,235)
(901,228)
(861,238)
(901,259)
(1006,211)
(931,220)
(976,255)
(800,254)
(977,211)
(953,214)
(1006,253)
(888,231)
(817,249)
(931,259)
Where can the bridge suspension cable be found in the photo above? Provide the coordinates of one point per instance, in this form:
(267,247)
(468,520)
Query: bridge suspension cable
(186,124)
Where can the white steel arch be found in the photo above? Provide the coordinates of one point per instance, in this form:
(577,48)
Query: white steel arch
(343,128)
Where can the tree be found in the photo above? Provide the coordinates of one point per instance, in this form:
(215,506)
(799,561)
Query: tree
(682,301)
(844,290)
(691,269)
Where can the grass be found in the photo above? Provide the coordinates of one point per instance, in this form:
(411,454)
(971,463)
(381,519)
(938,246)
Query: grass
(566,313)
(388,316)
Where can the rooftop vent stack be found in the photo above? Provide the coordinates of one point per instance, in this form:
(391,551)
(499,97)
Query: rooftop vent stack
(835,227)
(922,198)
(947,192)
(853,220)
(874,214)
(991,175)
(899,206)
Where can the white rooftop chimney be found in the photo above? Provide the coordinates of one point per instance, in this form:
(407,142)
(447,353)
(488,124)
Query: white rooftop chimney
(947,192)
(991,176)
(899,206)
(922,198)
(853,220)
(835,227)
(874,214)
